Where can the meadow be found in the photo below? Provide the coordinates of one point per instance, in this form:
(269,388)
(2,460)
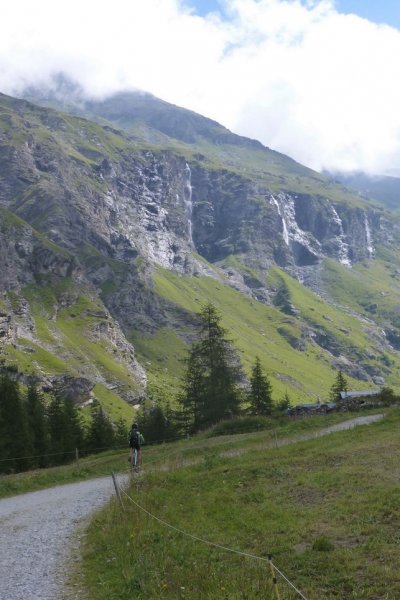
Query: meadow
(326,508)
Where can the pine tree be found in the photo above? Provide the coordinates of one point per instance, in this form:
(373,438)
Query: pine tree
(57,430)
(283,301)
(37,424)
(157,423)
(16,442)
(260,391)
(284,403)
(339,385)
(194,392)
(101,432)
(121,433)
(73,434)
(213,371)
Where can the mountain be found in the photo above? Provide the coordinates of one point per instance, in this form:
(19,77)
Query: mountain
(117,225)
(381,188)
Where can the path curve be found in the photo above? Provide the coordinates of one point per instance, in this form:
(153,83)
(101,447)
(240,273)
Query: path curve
(37,530)
(309,435)
(37,537)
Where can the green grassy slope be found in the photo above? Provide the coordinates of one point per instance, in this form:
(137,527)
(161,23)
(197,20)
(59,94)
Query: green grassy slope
(67,341)
(327,509)
(264,331)
(67,319)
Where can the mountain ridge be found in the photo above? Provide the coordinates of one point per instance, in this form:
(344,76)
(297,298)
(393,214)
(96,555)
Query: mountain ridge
(149,228)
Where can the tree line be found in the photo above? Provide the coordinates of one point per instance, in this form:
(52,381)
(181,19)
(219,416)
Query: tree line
(36,433)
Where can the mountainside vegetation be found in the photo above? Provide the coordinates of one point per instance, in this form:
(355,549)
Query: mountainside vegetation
(36,433)
(120,219)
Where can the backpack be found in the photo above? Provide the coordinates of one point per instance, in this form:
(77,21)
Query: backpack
(134,439)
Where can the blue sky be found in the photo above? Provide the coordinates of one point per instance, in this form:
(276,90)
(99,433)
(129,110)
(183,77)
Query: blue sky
(378,11)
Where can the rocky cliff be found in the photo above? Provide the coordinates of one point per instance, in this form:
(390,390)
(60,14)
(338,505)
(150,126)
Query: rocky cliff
(102,209)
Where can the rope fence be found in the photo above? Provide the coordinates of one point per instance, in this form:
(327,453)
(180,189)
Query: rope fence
(212,544)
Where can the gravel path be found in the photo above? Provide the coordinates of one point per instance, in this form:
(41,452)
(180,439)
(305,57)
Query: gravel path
(38,537)
(38,530)
(349,424)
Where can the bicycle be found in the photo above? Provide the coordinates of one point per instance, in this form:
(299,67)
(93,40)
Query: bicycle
(135,460)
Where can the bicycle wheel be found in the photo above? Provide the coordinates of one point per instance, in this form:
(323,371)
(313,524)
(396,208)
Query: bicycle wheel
(135,466)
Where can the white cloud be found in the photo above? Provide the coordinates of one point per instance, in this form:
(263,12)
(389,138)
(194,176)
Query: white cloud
(315,84)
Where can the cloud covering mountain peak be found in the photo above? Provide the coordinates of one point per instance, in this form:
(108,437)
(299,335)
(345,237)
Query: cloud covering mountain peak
(302,78)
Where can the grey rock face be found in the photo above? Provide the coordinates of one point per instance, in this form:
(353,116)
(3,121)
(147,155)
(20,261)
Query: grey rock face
(7,329)
(114,212)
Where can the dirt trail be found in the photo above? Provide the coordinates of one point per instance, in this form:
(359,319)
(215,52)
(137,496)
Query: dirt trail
(310,435)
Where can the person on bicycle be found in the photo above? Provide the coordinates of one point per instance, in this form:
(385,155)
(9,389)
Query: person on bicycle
(135,443)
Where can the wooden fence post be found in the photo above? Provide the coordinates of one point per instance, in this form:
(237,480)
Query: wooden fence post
(274,581)
(117,492)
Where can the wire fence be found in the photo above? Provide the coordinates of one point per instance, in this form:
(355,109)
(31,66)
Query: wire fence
(82,453)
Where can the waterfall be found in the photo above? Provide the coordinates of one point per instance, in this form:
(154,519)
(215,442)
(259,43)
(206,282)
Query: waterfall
(285,231)
(187,197)
(343,246)
(368,237)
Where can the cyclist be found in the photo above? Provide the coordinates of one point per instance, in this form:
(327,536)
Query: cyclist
(135,443)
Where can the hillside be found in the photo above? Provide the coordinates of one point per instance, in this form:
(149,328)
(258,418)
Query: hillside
(325,508)
(382,189)
(117,225)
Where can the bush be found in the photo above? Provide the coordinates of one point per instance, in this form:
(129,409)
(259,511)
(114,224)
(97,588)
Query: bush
(388,397)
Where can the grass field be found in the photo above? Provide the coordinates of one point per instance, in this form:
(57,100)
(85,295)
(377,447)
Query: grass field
(104,463)
(326,508)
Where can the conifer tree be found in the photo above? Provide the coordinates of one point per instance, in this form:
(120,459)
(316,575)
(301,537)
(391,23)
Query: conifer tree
(73,435)
(16,442)
(339,385)
(260,391)
(213,371)
(284,403)
(37,424)
(57,430)
(194,392)
(121,433)
(157,423)
(282,299)
(101,432)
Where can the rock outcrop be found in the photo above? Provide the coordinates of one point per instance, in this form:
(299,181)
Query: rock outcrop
(102,209)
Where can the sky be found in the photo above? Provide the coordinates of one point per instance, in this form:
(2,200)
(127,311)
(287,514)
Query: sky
(378,11)
(318,80)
